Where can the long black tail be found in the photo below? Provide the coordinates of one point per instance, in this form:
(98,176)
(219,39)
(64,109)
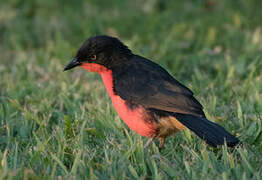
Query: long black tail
(211,132)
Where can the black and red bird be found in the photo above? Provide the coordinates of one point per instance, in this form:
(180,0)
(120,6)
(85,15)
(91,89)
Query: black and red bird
(146,97)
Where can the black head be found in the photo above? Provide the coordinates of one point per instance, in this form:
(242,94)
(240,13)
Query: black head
(104,50)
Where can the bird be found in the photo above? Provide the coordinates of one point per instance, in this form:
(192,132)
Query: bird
(147,98)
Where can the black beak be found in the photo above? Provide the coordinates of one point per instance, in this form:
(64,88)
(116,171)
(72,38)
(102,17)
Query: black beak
(72,64)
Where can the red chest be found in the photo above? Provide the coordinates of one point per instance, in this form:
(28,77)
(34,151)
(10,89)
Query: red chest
(134,118)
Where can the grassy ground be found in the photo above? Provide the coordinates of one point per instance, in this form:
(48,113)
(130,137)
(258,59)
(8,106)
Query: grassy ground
(56,124)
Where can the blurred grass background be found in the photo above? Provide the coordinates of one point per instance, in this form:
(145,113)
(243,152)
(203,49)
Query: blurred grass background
(56,125)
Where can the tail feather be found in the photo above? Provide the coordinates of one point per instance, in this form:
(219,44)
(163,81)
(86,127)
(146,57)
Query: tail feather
(211,132)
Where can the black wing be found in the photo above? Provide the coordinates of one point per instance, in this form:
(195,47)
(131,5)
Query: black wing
(142,82)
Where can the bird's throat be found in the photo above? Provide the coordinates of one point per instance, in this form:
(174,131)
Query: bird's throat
(93,67)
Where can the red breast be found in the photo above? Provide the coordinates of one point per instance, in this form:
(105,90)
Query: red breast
(137,120)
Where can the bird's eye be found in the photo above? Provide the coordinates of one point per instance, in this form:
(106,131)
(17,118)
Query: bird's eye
(93,57)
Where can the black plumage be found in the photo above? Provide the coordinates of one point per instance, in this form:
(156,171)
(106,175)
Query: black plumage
(143,83)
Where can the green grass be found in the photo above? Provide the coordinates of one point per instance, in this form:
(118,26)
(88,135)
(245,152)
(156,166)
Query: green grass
(56,124)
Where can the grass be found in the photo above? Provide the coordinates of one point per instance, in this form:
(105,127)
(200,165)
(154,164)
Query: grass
(61,125)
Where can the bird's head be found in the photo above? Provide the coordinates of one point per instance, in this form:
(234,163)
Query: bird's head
(100,53)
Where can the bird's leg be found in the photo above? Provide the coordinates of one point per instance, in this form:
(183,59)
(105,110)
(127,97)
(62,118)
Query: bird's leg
(149,141)
(161,142)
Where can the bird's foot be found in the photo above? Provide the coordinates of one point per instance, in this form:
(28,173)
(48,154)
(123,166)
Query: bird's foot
(149,141)
(161,142)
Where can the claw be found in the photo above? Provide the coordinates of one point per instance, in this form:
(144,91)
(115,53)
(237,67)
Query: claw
(161,142)
(149,141)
